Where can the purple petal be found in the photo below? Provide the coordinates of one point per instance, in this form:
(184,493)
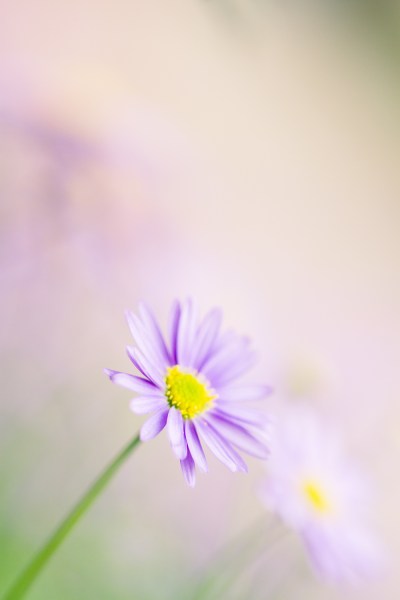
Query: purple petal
(151,371)
(234,370)
(154,425)
(175,316)
(230,359)
(245,393)
(188,470)
(132,382)
(145,342)
(194,446)
(152,326)
(205,337)
(240,437)
(142,405)
(130,352)
(186,333)
(222,356)
(176,433)
(225,339)
(242,415)
(220,447)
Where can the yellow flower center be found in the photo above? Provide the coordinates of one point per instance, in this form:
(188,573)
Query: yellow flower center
(316,497)
(186,392)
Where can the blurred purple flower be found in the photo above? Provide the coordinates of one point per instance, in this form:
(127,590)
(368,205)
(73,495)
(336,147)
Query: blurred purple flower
(190,385)
(315,491)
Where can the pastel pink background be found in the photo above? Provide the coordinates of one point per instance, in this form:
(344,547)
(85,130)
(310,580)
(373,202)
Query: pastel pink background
(245,155)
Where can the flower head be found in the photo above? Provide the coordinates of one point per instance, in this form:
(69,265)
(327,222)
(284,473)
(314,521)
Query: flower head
(189,382)
(315,490)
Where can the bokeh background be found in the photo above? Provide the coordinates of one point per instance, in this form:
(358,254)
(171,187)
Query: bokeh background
(247,154)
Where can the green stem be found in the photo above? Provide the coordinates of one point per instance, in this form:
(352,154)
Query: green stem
(33,569)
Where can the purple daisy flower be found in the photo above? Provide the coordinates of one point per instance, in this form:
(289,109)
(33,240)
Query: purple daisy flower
(316,491)
(189,383)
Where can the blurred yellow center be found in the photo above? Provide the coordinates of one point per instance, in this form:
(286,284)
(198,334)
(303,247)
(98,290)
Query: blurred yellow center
(316,497)
(186,392)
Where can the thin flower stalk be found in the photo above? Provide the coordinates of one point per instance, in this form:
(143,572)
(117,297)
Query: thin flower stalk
(34,568)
